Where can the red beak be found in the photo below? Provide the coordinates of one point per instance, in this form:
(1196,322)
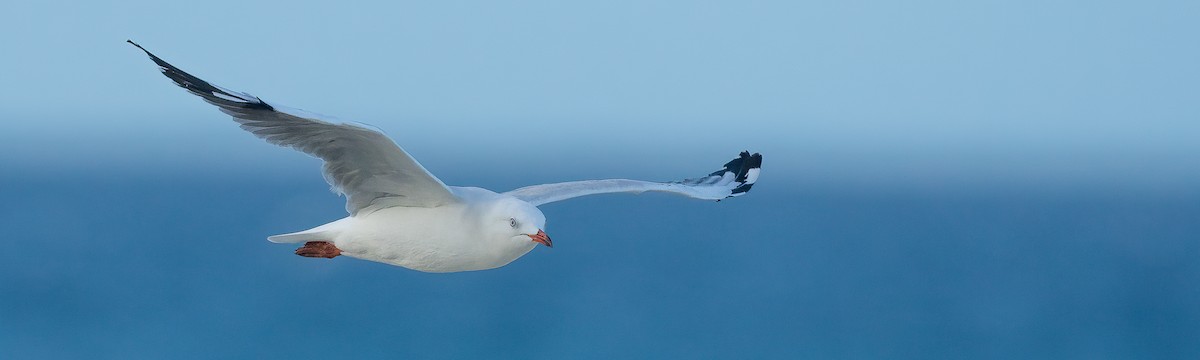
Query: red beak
(542,238)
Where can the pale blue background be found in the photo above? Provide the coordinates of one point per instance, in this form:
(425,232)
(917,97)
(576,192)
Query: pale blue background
(992,179)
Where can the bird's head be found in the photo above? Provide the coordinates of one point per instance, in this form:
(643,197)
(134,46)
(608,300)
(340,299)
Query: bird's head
(519,221)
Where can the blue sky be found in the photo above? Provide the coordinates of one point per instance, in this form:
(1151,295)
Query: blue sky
(929,94)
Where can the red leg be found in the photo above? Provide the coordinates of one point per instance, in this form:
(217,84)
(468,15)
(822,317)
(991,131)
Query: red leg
(319,249)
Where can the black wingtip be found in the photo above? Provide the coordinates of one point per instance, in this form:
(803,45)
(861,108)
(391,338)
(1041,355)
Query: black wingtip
(136,45)
(209,92)
(746,166)
(742,165)
(156,60)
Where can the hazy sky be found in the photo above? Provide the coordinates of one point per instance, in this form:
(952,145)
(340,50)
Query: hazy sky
(943,94)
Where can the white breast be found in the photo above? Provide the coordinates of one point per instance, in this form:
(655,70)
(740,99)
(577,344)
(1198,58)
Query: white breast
(439,239)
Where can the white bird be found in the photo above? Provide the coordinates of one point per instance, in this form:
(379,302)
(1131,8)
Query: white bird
(402,215)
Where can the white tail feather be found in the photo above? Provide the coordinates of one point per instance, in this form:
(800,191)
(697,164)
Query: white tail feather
(325,232)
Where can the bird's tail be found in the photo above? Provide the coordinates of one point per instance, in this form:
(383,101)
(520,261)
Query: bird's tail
(297,237)
(321,233)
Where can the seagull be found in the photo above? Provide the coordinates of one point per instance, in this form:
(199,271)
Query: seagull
(402,215)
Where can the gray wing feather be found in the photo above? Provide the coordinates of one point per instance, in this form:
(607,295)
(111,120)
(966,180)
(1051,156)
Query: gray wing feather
(360,162)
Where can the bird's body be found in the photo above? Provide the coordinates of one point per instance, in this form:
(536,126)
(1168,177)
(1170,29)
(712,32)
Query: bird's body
(402,215)
(420,238)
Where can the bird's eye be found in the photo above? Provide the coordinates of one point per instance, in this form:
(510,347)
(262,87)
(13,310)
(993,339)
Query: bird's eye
(512,222)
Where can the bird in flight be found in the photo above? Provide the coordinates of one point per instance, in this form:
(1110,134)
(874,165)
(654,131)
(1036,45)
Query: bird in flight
(402,215)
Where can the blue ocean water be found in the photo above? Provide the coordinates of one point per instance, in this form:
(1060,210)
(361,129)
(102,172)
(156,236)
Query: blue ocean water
(175,267)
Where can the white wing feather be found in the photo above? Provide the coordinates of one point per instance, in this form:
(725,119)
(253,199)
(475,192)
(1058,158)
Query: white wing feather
(734,180)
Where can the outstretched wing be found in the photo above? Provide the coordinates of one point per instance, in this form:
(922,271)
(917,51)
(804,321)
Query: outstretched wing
(362,163)
(734,180)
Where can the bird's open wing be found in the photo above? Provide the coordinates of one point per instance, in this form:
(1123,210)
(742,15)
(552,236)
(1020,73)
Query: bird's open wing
(734,180)
(360,162)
